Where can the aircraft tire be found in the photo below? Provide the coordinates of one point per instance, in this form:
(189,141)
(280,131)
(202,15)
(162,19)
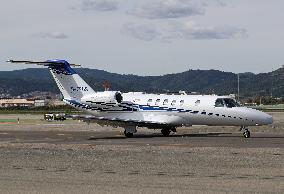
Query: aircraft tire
(128,134)
(246,133)
(166,132)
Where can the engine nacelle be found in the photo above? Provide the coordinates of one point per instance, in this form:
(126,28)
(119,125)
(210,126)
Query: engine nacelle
(103,98)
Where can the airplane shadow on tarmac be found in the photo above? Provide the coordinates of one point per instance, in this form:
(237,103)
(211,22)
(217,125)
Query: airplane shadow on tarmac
(156,135)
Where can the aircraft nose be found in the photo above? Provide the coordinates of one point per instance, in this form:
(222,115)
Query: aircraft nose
(259,117)
(264,118)
(268,119)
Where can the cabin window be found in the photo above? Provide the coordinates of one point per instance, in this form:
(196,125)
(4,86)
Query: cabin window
(173,102)
(157,101)
(197,102)
(165,102)
(181,102)
(149,102)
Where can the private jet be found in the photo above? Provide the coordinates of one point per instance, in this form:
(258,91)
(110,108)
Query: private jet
(155,111)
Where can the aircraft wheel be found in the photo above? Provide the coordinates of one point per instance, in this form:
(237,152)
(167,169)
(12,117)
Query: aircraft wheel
(128,134)
(166,132)
(246,133)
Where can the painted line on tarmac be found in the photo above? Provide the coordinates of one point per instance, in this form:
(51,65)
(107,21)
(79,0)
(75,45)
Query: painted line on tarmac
(61,124)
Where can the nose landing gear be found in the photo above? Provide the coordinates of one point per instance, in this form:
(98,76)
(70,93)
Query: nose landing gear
(246,132)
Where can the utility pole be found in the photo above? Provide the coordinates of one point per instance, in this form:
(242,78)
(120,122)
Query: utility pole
(271,94)
(106,85)
(238,87)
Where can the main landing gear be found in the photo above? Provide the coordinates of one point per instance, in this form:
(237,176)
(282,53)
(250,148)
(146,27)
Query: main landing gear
(246,132)
(129,131)
(128,134)
(167,130)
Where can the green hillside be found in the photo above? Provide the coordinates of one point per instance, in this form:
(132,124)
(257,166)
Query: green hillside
(203,81)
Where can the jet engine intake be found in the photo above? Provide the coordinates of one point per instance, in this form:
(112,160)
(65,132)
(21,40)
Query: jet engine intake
(106,97)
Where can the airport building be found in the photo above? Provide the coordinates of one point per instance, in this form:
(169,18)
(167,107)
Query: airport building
(22,102)
(56,103)
(39,103)
(16,102)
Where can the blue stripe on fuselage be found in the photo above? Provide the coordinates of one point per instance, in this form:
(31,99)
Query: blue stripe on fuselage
(127,107)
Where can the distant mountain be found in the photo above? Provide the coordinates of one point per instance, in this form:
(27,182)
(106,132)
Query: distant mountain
(203,81)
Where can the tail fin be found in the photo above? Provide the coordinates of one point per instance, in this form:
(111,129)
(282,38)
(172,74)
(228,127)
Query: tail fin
(71,85)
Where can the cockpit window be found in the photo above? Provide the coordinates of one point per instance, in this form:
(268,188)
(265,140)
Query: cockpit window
(229,102)
(226,102)
(219,103)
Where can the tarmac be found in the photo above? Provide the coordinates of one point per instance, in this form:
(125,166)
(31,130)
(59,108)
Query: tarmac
(73,157)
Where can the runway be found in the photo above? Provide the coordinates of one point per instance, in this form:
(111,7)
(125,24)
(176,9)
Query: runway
(213,139)
(72,157)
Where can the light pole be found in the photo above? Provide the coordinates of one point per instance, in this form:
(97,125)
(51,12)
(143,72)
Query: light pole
(238,87)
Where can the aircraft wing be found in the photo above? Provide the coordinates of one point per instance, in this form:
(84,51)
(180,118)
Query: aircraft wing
(117,121)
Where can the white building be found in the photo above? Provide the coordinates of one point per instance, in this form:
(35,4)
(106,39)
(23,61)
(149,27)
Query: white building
(40,103)
(16,102)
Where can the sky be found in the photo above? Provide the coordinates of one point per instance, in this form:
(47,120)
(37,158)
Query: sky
(149,37)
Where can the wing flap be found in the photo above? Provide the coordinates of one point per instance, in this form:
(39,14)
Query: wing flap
(117,121)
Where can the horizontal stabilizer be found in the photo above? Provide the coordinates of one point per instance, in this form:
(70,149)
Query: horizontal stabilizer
(70,84)
(45,63)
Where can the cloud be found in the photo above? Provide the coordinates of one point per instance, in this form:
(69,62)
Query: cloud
(162,9)
(221,3)
(51,35)
(182,30)
(99,5)
(218,3)
(145,32)
(190,30)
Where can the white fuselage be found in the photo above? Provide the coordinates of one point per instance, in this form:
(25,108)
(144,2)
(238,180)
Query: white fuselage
(174,110)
